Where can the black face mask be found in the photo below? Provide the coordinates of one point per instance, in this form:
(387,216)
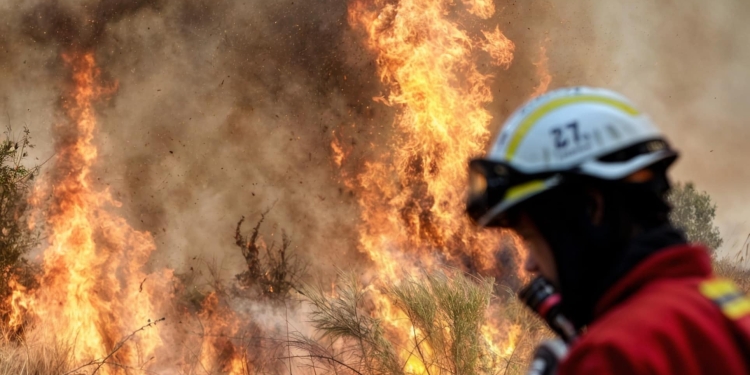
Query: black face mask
(590,257)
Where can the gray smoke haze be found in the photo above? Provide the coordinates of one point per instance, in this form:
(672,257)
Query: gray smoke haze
(696,83)
(223,109)
(685,63)
(226,108)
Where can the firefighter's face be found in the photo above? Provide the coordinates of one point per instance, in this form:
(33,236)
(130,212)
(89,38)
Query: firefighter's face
(540,259)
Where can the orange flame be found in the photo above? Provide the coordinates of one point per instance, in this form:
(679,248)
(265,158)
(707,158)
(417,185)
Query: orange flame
(480,8)
(412,199)
(542,71)
(499,47)
(93,290)
(338,151)
(217,349)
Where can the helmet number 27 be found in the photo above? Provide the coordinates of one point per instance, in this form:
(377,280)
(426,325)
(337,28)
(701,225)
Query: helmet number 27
(569,141)
(561,139)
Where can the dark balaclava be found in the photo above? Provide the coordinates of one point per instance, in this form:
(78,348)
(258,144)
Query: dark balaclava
(591,256)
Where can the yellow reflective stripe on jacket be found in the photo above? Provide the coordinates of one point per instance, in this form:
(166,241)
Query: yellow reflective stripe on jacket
(538,113)
(730,299)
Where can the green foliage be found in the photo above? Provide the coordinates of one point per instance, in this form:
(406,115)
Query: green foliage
(16,238)
(694,212)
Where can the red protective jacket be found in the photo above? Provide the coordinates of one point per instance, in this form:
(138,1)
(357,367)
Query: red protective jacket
(667,316)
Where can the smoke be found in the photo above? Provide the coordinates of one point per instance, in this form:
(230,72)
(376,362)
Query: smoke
(223,109)
(692,76)
(59,23)
(230,112)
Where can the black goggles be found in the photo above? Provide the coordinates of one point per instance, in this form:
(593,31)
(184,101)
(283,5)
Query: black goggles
(495,187)
(490,184)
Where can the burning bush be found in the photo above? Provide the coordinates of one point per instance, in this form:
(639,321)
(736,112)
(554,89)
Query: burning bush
(273,270)
(16,237)
(223,314)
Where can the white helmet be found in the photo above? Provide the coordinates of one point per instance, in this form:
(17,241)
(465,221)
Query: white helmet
(573,131)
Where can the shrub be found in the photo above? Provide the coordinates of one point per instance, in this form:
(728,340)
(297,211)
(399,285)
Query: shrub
(274,270)
(694,212)
(446,320)
(16,238)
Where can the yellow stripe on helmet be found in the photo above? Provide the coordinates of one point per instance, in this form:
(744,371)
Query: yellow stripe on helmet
(530,120)
(524,189)
(516,194)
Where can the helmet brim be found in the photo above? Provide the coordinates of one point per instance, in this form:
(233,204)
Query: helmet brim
(619,170)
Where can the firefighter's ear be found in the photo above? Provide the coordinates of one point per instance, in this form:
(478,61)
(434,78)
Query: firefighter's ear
(595,205)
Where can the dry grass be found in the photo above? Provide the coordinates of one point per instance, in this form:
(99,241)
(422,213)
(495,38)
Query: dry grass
(446,313)
(350,341)
(532,331)
(728,269)
(446,316)
(38,357)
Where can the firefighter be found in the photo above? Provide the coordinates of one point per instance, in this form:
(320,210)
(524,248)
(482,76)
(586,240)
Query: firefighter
(580,175)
